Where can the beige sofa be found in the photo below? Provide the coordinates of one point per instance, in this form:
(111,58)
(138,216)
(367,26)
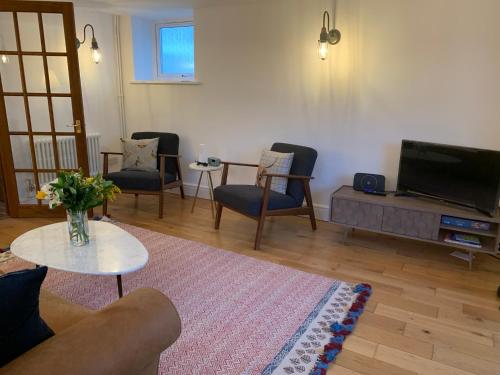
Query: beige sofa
(126,337)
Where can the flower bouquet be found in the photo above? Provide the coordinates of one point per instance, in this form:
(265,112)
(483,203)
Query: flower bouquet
(77,194)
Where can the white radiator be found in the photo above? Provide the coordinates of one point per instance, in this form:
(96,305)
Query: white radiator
(66,146)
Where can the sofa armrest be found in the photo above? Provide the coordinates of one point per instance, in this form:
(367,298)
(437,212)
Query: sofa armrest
(127,337)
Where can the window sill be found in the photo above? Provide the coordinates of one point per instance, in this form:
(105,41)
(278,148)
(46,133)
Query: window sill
(165,82)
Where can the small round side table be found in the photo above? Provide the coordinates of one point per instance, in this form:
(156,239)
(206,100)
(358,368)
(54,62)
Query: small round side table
(208,170)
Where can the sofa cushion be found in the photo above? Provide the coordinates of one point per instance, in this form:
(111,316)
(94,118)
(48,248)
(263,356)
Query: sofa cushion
(21,327)
(138,180)
(248,198)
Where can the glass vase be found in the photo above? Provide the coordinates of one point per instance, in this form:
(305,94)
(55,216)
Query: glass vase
(78,227)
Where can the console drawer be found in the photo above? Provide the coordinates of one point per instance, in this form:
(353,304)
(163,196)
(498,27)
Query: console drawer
(411,223)
(357,214)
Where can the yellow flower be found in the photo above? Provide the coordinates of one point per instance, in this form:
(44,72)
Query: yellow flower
(41,195)
(89,180)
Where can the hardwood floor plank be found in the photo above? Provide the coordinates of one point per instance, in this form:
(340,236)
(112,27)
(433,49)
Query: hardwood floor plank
(436,325)
(465,362)
(361,346)
(383,322)
(339,370)
(405,304)
(470,321)
(382,279)
(415,363)
(453,342)
(479,298)
(437,301)
(396,341)
(369,366)
(487,314)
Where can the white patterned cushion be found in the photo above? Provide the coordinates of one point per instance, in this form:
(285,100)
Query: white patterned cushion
(274,162)
(140,154)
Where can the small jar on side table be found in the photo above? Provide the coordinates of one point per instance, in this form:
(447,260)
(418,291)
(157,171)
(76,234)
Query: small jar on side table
(208,170)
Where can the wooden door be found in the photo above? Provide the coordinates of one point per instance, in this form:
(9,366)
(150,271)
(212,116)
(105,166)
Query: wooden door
(42,127)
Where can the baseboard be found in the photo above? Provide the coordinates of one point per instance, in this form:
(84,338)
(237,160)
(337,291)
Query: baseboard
(321,211)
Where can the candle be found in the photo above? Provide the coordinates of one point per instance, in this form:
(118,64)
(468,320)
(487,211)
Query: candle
(202,153)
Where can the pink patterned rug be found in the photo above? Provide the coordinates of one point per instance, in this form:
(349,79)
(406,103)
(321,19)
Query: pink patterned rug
(239,315)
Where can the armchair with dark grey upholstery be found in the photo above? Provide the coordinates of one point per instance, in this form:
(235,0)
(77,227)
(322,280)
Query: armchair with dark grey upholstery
(168,175)
(257,203)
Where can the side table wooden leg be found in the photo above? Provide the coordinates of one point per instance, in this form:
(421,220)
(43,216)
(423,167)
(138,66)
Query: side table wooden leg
(211,193)
(119,283)
(197,190)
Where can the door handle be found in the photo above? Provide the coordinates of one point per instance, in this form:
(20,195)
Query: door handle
(77,126)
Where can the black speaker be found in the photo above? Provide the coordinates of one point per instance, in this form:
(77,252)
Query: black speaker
(368,182)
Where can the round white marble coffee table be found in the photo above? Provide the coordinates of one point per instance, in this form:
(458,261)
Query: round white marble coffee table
(111,250)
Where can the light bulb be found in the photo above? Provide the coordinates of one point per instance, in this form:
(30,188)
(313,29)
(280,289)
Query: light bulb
(323,50)
(96,55)
(5,59)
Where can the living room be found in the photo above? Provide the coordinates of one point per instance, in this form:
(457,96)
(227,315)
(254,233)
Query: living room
(198,95)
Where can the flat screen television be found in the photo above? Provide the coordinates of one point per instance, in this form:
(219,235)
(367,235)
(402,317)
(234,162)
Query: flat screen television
(462,175)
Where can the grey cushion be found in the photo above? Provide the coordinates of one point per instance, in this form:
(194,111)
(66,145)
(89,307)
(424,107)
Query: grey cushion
(140,154)
(248,198)
(168,144)
(139,180)
(304,159)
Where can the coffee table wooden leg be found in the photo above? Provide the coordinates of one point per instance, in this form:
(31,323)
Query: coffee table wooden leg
(120,288)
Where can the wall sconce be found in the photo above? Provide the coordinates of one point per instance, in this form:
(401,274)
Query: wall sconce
(94,47)
(327,36)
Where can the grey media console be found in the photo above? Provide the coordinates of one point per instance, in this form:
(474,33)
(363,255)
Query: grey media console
(409,217)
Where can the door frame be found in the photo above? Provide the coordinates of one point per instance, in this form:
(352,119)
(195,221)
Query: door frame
(67,11)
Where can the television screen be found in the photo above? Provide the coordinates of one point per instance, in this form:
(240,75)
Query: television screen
(462,175)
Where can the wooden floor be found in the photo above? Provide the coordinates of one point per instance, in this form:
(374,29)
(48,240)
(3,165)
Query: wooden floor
(428,313)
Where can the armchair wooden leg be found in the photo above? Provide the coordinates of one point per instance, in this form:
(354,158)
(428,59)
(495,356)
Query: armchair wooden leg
(309,201)
(312,217)
(258,235)
(160,214)
(218,215)
(263,212)
(179,176)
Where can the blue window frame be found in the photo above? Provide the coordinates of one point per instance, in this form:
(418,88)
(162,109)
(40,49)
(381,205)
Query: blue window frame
(176,51)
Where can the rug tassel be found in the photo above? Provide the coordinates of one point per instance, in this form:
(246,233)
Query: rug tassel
(341,330)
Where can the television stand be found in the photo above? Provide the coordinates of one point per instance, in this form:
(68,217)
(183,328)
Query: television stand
(416,218)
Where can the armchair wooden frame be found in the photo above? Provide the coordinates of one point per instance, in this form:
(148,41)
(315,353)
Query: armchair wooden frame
(305,210)
(172,185)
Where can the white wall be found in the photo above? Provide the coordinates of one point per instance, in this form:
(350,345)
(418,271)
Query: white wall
(426,70)
(144,48)
(99,83)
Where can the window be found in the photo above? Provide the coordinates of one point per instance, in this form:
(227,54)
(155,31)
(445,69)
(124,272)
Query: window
(175,52)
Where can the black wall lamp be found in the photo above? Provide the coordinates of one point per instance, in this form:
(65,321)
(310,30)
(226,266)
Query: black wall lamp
(327,36)
(94,47)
